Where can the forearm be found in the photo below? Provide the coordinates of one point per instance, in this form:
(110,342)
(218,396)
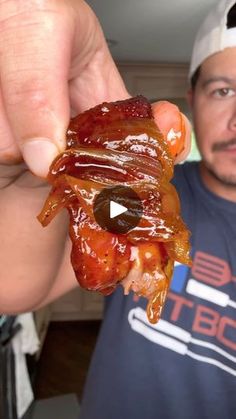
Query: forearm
(30,255)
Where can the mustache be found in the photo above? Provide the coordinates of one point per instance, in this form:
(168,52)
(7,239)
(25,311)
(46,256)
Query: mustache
(222,145)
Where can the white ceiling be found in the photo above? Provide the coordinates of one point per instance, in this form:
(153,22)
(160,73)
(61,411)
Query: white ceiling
(151,30)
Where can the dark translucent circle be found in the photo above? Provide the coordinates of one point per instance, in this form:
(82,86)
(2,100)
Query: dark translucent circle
(121,195)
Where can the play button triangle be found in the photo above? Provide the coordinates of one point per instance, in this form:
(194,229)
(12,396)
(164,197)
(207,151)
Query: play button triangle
(116,209)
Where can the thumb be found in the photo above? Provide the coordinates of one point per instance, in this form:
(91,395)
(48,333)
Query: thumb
(34,62)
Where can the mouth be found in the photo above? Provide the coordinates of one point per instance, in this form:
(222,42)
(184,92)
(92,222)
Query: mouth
(229,152)
(229,147)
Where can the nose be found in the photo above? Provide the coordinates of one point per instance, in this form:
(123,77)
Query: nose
(232,121)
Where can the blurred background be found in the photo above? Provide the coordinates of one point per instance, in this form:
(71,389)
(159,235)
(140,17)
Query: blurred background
(151,43)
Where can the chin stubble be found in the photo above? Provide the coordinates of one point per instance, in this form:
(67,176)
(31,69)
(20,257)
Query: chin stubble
(226,180)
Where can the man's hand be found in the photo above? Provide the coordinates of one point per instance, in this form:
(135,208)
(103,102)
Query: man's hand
(54,61)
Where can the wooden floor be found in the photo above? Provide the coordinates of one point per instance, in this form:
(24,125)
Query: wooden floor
(65,358)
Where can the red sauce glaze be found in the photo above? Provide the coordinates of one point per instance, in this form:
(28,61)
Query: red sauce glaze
(119,143)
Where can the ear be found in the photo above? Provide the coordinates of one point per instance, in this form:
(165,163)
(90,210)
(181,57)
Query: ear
(189,98)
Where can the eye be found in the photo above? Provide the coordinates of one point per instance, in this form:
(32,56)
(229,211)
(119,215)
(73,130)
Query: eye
(223,92)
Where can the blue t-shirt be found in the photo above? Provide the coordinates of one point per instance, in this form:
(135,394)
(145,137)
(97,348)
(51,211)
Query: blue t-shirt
(185,366)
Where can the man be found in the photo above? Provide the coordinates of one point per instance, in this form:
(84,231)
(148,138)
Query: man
(184,367)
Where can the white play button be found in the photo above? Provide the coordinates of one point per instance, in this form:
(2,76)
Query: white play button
(116,209)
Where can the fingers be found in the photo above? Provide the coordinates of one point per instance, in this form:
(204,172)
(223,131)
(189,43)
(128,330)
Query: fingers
(45,44)
(9,152)
(175,127)
(34,63)
(94,77)
(187,141)
(86,93)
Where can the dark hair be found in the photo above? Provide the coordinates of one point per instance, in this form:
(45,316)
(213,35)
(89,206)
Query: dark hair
(195,77)
(231,18)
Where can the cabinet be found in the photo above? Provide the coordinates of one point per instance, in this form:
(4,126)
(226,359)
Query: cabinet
(78,304)
(155,80)
(42,318)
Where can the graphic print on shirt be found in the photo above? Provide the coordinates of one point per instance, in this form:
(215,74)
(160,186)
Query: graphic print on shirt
(203,298)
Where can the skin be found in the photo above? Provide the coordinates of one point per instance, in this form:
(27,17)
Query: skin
(54,63)
(213,104)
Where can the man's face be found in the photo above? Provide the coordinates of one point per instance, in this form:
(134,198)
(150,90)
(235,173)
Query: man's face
(214,115)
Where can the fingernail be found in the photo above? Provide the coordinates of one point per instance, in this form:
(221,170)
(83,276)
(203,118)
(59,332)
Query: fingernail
(38,154)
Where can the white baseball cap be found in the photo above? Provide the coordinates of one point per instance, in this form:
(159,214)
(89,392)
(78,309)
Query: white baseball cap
(217,32)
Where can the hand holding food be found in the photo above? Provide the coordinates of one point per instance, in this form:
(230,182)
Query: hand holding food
(113,144)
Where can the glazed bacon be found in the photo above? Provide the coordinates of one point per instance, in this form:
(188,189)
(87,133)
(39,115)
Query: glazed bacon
(120,144)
